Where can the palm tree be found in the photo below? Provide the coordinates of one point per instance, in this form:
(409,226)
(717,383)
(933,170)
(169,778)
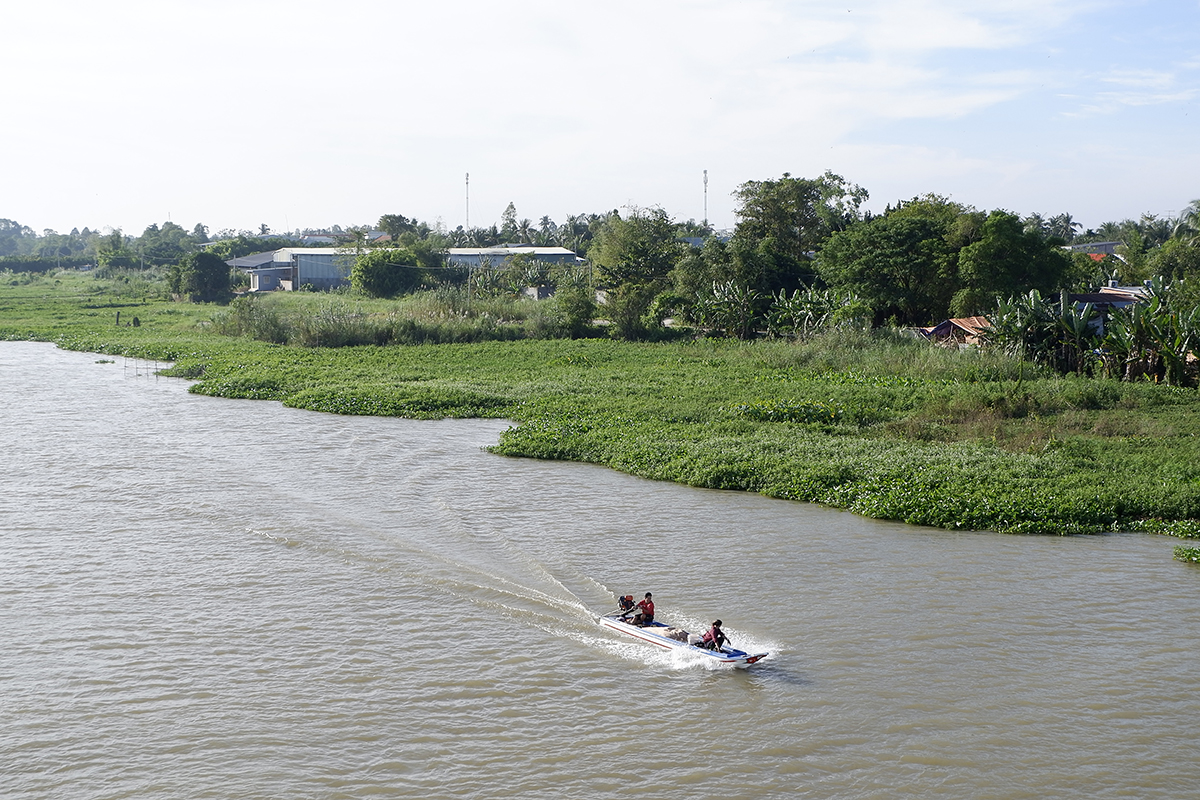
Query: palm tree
(525,231)
(548,231)
(1187,226)
(1111,231)
(1063,226)
(1035,223)
(1154,230)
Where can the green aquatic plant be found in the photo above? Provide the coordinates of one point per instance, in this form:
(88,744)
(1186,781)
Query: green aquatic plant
(788,411)
(876,423)
(1188,554)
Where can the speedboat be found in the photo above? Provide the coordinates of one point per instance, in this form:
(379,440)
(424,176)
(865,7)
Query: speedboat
(671,638)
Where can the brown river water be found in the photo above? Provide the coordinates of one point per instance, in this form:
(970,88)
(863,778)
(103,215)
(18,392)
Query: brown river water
(205,598)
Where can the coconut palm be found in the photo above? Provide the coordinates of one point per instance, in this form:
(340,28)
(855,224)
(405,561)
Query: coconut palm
(1110,231)
(525,231)
(1187,226)
(1063,226)
(547,232)
(1154,229)
(1035,223)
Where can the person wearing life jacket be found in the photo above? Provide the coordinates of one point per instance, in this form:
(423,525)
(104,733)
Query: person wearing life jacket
(645,614)
(714,637)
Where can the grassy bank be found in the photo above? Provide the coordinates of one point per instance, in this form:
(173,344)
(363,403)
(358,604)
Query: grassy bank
(882,425)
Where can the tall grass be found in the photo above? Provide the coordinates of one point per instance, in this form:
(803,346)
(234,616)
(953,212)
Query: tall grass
(882,425)
(441,316)
(888,352)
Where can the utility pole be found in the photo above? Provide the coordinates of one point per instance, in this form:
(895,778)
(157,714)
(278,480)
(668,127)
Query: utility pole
(468,202)
(706,198)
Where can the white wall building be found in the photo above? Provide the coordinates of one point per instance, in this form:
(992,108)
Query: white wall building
(322,268)
(476,257)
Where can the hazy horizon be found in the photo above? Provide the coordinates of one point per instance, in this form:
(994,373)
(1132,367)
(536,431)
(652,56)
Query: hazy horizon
(298,116)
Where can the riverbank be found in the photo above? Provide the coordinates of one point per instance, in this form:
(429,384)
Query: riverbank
(877,424)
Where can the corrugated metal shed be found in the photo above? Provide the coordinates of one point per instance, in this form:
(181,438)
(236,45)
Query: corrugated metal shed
(477,256)
(964,330)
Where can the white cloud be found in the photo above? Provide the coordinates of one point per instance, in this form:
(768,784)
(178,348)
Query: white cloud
(560,107)
(1141,79)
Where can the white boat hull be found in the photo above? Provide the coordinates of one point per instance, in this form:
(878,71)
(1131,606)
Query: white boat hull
(656,633)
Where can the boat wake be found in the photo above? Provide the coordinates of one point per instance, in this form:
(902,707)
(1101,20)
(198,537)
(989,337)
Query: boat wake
(485,568)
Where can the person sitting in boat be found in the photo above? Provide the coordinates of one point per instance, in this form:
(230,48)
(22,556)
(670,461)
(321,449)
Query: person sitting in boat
(714,637)
(625,604)
(645,614)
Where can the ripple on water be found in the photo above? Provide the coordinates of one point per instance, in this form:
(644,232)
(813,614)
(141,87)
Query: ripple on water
(213,599)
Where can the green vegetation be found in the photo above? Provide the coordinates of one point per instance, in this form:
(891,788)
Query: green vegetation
(1188,554)
(870,421)
(766,360)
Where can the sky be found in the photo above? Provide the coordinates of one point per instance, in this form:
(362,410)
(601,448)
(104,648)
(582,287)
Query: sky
(298,114)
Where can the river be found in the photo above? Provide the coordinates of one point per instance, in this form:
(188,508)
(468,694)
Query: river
(207,598)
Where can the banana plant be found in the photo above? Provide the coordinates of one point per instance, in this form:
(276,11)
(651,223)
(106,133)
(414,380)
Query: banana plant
(733,307)
(1077,334)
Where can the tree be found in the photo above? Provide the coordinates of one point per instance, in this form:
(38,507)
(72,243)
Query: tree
(789,219)
(931,206)
(384,272)
(700,267)
(1187,226)
(395,225)
(640,248)
(201,276)
(12,234)
(627,311)
(387,272)
(525,231)
(1036,223)
(508,222)
(576,304)
(1063,226)
(242,245)
(1109,231)
(1179,264)
(1154,229)
(547,232)
(163,245)
(1133,257)
(112,252)
(1005,261)
(901,265)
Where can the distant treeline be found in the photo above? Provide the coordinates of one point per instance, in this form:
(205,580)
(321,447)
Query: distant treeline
(43,264)
(803,248)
